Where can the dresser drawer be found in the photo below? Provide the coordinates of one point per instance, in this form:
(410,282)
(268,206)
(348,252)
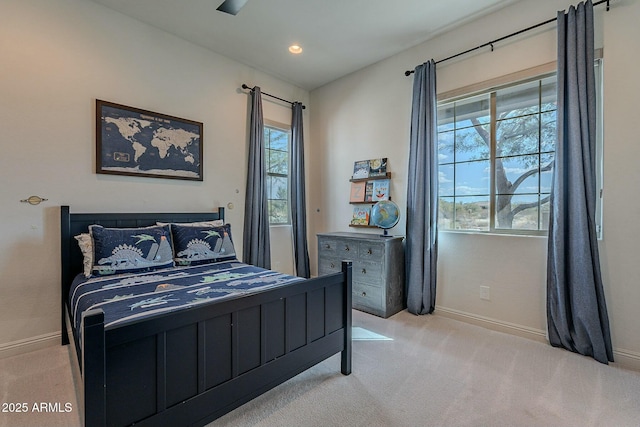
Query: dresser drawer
(326,247)
(370,250)
(347,249)
(369,272)
(367,297)
(328,265)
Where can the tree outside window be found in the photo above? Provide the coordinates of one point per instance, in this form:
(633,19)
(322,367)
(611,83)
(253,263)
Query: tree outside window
(496,154)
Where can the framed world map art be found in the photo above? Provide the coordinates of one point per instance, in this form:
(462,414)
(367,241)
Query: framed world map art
(131,141)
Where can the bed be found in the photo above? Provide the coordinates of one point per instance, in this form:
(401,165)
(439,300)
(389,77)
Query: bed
(191,365)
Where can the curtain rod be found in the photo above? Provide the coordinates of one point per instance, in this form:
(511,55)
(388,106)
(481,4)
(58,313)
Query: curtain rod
(409,72)
(244,86)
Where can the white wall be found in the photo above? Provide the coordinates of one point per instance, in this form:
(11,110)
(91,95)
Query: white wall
(57,58)
(367,115)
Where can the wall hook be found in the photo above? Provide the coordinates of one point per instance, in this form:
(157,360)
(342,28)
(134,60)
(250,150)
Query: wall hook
(34,200)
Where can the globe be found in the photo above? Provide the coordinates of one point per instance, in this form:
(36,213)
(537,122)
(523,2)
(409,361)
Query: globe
(385,214)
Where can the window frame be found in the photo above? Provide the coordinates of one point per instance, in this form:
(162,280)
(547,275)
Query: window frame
(599,73)
(270,124)
(521,77)
(491,92)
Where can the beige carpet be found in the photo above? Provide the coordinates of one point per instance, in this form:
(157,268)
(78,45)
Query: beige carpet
(37,378)
(412,371)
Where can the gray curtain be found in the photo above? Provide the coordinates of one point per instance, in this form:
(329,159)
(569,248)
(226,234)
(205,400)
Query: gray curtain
(298,202)
(255,241)
(421,253)
(576,310)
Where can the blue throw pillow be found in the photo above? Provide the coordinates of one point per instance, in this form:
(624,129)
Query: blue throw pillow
(201,245)
(123,250)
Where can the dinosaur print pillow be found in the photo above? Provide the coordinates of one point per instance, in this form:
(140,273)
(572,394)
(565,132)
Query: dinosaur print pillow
(201,245)
(124,250)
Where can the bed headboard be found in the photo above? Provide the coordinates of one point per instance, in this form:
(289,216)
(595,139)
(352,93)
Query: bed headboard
(72,224)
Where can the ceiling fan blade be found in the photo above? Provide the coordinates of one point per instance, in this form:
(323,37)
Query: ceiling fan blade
(231,7)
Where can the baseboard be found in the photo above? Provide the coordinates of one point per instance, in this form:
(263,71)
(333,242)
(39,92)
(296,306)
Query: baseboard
(493,324)
(16,348)
(625,359)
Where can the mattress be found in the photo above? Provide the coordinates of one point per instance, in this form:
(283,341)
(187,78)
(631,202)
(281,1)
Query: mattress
(131,297)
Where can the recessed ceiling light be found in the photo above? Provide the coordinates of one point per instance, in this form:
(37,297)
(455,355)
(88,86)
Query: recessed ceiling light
(295,49)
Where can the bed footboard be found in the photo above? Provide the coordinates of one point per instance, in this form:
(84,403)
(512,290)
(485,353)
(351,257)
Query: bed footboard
(193,366)
(94,369)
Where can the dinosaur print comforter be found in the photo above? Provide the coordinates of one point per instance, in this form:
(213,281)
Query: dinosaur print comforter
(128,297)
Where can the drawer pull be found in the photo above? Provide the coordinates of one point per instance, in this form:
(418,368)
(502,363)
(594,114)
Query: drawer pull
(364,294)
(333,265)
(364,271)
(346,248)
(327,246)
(369,252)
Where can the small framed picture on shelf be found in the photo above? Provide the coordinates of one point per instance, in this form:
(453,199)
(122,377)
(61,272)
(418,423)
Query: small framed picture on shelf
(378,167)
(361,215)
(361,169)
(357,192)
(380,190)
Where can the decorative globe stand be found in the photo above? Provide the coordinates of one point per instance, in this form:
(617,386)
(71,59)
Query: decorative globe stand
(385,214)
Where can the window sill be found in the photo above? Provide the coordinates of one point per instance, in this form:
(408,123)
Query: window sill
(539,234)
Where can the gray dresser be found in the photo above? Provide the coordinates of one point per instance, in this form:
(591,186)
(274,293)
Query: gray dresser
(378,268)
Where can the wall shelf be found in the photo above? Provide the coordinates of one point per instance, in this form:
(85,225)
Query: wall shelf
(364,191)
(371,178)
(362,226)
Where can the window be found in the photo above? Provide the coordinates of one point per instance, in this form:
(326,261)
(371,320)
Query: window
(276,140)
(496,152)
(599,146)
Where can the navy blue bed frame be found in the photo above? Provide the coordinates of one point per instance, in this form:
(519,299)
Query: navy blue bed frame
(189,367)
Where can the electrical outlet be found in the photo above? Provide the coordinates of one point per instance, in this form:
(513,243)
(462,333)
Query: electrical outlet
(485,293)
